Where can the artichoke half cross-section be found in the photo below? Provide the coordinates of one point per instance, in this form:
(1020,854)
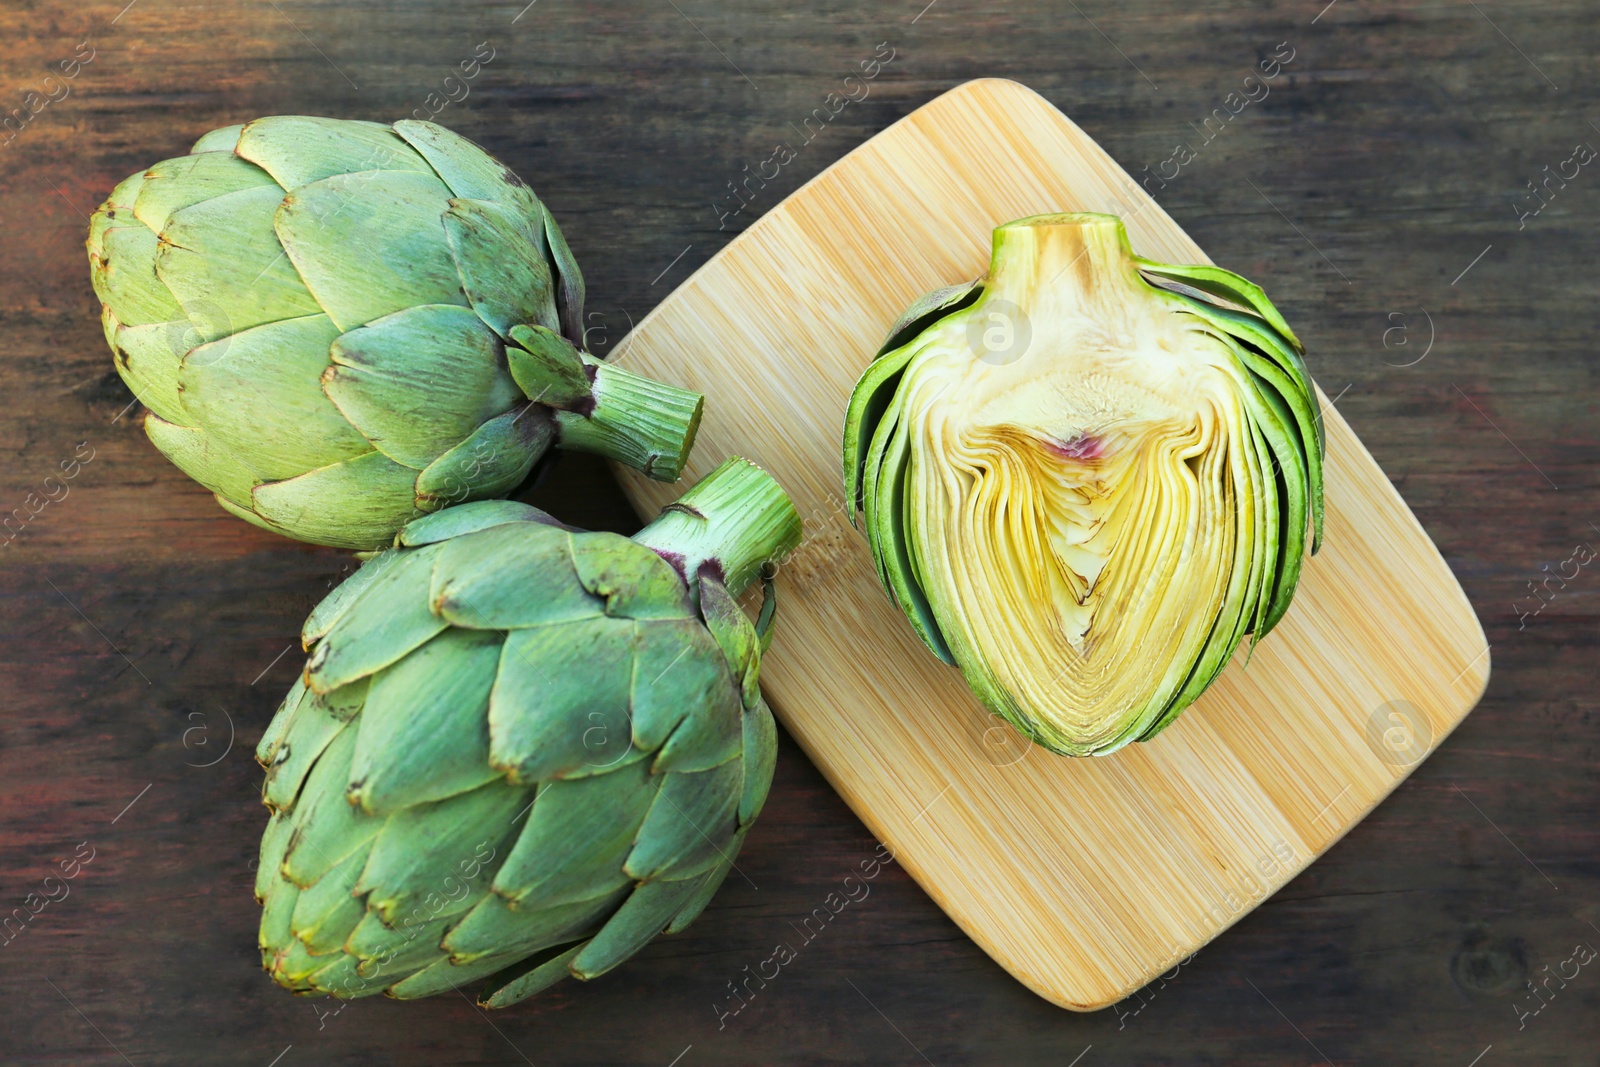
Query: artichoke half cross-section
(1086,477)
(338,326)
(520,751)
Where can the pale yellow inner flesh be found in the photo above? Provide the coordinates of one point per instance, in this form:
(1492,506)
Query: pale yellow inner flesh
(1080,509)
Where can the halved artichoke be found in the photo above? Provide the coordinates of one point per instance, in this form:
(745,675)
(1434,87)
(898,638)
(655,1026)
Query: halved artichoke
(1086,477)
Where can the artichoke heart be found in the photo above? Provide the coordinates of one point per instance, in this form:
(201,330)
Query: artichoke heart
(1086,477)
(520,751)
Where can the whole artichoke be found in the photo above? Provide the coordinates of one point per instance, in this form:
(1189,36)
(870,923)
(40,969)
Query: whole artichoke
(1086,476)
(338,326)
(520,750)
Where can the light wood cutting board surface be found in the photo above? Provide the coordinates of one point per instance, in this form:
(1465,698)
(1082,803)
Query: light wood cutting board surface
(1084,878)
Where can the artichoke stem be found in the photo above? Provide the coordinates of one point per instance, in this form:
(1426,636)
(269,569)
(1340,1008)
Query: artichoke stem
(738,518)
(1060,265)
(646,424)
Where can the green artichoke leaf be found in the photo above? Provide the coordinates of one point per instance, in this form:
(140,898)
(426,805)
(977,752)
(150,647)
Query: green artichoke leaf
(148,358)
(712,732)
(296,966)
(709,736)
(690,825)
(509,577)
(327,827)
(760,760)
(116,211)
(503,271)
(447,977)
(270,371)
(469,518)
(175,184)
(872,397)
(399,257)
(634,582)
(469,171)
(568,279)
(354,503)
(1262,548)
(392,621)
(735,633)
(108,329)
(577,838)
(273,736)
(1255,341)
(1251,330)
(1225,284)
(708,888)
(764,631)
(277,915)
(428,860)
(533,975)
(548,369)
(645,914)
(927,310)
(127,278)
(332,606)
(221,261)
(1296,444)
(492,460)
(493,928)
(887,483)
(203,458)
(269,868)
(1254,336)
(249,516)
(300,149)
(679,667)
(325,913)
(419,382)
(424,732)
(1258,540)
(1285,490)
(311,728)
(222,139)
(345,702)
(560,703)
(394,953)
(343,979)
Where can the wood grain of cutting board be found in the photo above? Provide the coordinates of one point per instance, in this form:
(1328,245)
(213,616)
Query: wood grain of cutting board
(1084,878)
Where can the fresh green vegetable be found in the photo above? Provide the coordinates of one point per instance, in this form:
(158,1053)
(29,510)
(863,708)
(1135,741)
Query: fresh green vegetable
(338,326)
(1086,477)
(519,750)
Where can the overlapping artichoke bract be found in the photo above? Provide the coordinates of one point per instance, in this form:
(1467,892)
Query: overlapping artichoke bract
(338,326)
(1086,477)
(520,751)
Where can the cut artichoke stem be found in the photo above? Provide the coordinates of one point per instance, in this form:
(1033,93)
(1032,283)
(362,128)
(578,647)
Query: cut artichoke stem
(738,519)
(1084,488)
(638,421)
(1070,265)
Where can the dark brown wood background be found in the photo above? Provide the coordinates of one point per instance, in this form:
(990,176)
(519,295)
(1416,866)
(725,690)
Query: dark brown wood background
(142,627)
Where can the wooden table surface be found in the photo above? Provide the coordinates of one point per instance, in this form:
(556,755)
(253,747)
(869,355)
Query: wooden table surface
(1380,191)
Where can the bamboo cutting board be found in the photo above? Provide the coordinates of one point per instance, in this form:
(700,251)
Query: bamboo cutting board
(1084,878)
